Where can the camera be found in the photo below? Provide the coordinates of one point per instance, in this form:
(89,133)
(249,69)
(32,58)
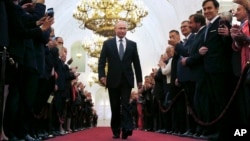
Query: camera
(50,12)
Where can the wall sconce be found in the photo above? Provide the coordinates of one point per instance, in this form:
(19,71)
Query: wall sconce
(78,55)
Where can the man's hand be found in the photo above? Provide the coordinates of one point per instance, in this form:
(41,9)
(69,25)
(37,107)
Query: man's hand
(224,31)
(76,74)
(55,88)
(103,80)
(47,23)
(161,63)
(235,31)
(28,6)
(203,50)
(139,85)
(176,82)
(154,71)
(183,61)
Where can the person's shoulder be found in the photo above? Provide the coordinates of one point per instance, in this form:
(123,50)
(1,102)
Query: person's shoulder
(130,41)
(192,35)
(110,40)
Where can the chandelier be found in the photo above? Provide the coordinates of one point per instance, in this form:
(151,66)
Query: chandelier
(100,16)
(93,48)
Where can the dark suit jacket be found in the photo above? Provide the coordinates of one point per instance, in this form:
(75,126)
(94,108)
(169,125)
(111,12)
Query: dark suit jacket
(18,32)
(34,48)
(218,57)
(117,67)
(160,82)
(195,60)
(4,40)
(182,49)
(64,75)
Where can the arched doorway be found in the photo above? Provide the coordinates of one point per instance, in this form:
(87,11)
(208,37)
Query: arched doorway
(102,106)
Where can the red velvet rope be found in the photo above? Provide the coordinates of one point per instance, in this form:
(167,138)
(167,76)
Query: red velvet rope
(199,121)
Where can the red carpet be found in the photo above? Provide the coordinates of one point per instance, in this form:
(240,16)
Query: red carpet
(105,134)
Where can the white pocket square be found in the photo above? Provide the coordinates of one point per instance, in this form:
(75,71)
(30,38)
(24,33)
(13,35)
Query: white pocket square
(212,30)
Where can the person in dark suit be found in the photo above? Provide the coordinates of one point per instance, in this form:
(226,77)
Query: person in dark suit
(174,89)
(194,63)
(4,41)
(21,30)
(216,86)
(120,78)
(183,75)
(3,25)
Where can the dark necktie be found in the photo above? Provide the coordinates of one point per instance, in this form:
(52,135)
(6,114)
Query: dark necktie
(207,27)
(185,41)
(121,49)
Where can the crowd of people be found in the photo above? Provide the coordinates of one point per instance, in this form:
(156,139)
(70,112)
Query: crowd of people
(201,88)
(41,96)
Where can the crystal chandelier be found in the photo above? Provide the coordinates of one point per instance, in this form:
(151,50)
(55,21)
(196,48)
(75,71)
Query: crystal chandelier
(100,16)
(93,48)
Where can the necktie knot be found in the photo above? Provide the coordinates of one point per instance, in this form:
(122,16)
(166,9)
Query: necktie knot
(185,40)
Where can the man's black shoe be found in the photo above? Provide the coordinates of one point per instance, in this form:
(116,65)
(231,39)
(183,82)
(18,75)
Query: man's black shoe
(188,134)
(116,136)
(126,133)
(130,132)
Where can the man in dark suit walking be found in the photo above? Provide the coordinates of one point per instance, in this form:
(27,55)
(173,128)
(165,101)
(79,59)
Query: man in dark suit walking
(120,53)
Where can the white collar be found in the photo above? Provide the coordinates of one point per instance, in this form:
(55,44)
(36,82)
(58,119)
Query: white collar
(118,39)
(212,21)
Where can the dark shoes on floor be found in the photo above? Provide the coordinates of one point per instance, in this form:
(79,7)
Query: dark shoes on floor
(29,138)
(126,133)
(188,133)
(116,136)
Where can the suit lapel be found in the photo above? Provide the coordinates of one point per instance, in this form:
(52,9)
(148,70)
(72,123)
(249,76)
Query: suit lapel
(127,48)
